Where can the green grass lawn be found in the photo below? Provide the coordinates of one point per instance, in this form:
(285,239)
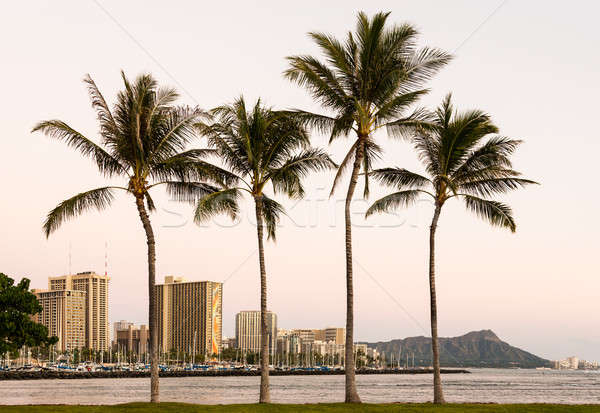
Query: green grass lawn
(311,408)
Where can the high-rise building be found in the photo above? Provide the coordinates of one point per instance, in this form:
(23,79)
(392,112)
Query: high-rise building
(189,315)
(306,336)
(329,341)
(97,331)
(133,339)
(247,330)
(288,342)
(63,313)
(319,334)
(120,325)
(335,334)
(228,342)
(329,348)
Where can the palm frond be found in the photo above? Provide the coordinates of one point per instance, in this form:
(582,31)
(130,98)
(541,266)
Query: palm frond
(490,171)
(271,211)
(283,137)
(337,54)
(189,166)
(496,213)
(396,106)
(496,185)
(427,146)
(150,202)
(321,123)
(366,167)
(224,201)
(494,152)
(371,153)
(108,126)
(348,159)
(420,120)
(189,192)
(107,164)
(175,132)
(424,64)
(393,201)
(165,97)
(321,82)
(288,177)
(461,134)
(400,178)
(99,199)
(224,135)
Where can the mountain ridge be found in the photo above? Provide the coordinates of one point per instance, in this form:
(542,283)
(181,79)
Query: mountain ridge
(481,348)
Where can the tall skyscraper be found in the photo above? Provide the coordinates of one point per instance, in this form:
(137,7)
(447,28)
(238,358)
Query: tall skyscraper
(120,325)
(63,313)
(247,330)
(97,331)
(190,314)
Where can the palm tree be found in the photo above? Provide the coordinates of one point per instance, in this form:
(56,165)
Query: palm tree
(143,140)
(259,146)
(368,82)
(461,163)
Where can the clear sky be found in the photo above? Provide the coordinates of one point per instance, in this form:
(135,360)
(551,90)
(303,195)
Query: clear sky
(532,65)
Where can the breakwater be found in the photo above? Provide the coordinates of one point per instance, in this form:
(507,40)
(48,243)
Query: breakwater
(52,374)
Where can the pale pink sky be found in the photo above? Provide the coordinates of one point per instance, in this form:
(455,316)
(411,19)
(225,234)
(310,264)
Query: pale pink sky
(532,65)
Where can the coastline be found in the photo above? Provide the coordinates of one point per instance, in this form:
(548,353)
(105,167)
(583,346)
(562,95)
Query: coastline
(51,374)
(312,407)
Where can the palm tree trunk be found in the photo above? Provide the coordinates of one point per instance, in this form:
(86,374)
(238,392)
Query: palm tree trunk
(154,395)
(351,393)
(438,395)
(265,396)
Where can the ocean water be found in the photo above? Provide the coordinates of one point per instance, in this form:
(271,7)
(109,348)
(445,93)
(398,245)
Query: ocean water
(482,385)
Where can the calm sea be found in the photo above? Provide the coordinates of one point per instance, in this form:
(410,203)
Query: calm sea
(483,385)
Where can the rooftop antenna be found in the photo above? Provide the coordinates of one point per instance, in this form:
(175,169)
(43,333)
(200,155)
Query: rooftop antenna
(105,258)
(69,257)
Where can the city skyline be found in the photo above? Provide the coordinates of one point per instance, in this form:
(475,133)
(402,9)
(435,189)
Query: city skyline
(229,333)
(131,333)
(477,290)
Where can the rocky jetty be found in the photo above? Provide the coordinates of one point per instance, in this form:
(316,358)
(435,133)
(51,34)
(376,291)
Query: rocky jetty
(52,374)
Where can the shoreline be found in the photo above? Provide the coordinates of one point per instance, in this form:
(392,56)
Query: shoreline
(394,407)
(52,375)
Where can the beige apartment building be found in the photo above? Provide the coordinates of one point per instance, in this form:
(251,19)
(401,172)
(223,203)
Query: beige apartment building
(132,339)
(189,315)
(119,325)
(335,334)
(307,336)
(329,334)
(63,313)
(288,342)
(247,330)
(95,286)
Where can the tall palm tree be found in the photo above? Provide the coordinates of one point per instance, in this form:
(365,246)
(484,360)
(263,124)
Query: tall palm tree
(367,82)
(461,163)
(259,146)
(143,140)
